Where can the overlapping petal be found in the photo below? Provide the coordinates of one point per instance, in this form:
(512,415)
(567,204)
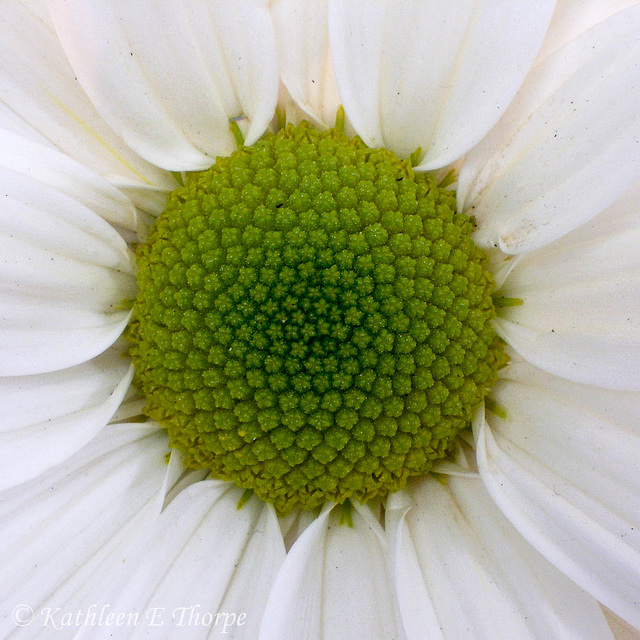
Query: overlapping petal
(567,148)
(64,530)
(53,415)
(40,97)
(64,272)
(334,583)
(573,17)
(580,317)
(169,76)
(204,557)
(564,466)
(304,58)
(434,75)
(463,572)
(57,170)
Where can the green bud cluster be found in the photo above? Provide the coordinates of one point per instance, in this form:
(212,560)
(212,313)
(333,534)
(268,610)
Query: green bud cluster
(314,320)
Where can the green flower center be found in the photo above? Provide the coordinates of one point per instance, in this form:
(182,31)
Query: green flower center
(314,320)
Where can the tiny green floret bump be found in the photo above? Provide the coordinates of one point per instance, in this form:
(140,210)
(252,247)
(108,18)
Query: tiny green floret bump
(314,320)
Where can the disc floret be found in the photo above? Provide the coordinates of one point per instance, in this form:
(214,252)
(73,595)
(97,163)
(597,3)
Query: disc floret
(314,320)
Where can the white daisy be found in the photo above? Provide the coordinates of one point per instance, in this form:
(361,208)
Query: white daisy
(534,531)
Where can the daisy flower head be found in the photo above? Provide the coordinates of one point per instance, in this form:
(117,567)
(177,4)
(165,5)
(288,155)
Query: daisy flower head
(320,319)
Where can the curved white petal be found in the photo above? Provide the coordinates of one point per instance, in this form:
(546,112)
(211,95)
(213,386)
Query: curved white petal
(434,75)
(293,524)
(63,273)
(302,38)
(567,148)
(580,317)
(464,573)
(40,97)
(48,417)
(62,531)
(187,477)
(335,583)
(131,408)
(169,76)
(49,166)
(573,17)
(204,557)
(564,467)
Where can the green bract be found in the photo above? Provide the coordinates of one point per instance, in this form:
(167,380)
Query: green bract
(313,320)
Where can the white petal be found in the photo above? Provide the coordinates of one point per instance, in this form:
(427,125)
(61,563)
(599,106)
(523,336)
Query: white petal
(580,318)
(464,573)
(48,417)
(148,198)
(293,524)
(62,531)
(40,97)
(433,75)
(169,76)
(304,58)
(567,148)
(63,272)
(187,477)
(564,467)
(573,17)
(335,583)
(204,557)
(57,170)
(453,469)
(130,409)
